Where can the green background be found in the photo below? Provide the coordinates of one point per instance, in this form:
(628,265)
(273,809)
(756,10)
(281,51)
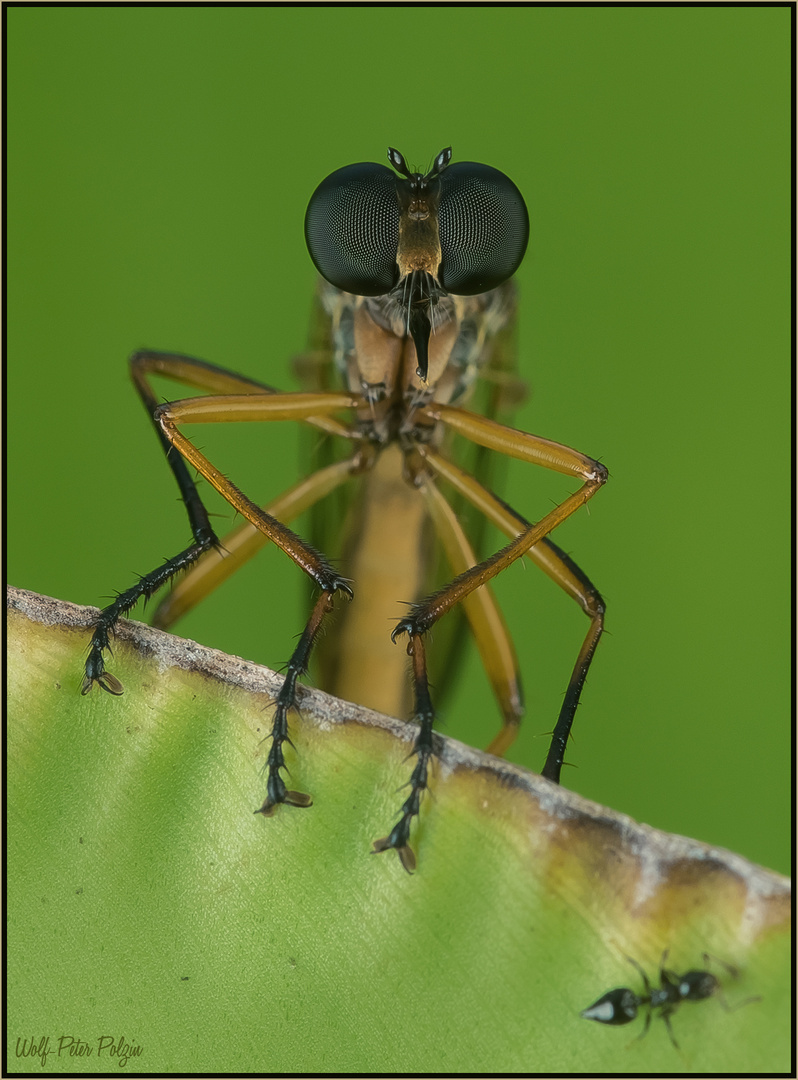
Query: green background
(160,162)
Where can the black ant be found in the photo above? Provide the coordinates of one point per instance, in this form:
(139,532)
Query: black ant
(620,1006)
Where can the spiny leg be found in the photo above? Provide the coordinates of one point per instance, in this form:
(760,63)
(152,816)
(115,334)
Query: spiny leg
(427,612)
(217,565)
(245,541)
(147,585)
(399,837)
(592,604)
(285,407)
(204,376)
(276,791)
(564,572)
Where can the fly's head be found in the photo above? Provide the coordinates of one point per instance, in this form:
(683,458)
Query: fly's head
(459,229)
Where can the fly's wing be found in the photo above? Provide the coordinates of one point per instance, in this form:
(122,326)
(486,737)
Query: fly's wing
(496,392)
(316,370)
(329,524)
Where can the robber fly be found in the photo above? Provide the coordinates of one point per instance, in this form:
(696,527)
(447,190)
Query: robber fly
(620,1006)
(415,288)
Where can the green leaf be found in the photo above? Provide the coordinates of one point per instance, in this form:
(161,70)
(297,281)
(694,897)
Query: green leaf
(148,903)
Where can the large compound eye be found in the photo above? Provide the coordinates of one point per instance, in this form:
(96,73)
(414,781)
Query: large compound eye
(352,229)
(484,228)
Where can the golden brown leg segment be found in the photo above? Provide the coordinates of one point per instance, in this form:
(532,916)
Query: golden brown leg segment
(203,376)
(239,546)
(562,570)
(283,407)
(233,408)
(425,614)
(487,624)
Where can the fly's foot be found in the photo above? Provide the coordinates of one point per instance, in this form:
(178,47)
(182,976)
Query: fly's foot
(340,584)
(398,841)
(106,680)
(290,798)
(276,791)
(407,625)
(94,671)
(416,623)
(399,837)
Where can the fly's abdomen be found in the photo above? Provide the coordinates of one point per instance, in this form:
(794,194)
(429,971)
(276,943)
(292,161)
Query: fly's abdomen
(385,556)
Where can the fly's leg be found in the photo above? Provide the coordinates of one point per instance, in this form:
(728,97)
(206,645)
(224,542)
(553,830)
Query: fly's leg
(425,614)
(276,791)
(399,837)
(202,376)
(277,407)
(496,650)
(244,542)
(95,672)
(568,575)
(565,573)
(217,565)
(493,641)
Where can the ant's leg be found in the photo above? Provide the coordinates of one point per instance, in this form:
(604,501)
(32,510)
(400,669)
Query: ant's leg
(564,572)
(666,1016)
(733,1008)
(643,975)
(667,977)
(732,971)
(646,1024)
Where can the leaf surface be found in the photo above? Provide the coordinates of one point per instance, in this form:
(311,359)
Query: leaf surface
(147,901)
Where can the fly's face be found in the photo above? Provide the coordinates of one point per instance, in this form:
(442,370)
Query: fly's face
(412,244)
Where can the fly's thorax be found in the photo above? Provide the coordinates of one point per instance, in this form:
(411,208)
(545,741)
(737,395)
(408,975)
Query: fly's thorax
(375,361)
(477,320)
(375,354)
